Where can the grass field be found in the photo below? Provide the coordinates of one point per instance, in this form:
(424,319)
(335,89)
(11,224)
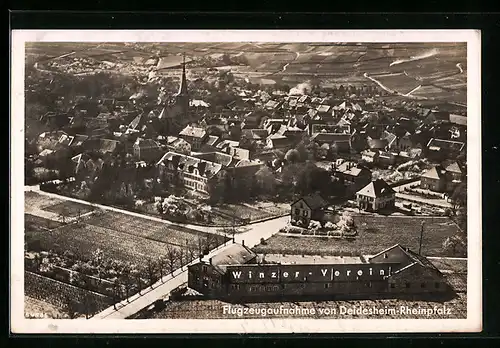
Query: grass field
(375,233)
(213,309)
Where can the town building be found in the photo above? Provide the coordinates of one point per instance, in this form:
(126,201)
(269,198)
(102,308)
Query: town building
(237,274)
(195,136)
(307,208)
(146,150)
(376,196)
(190,172)
(440,179)
(352,175)
(434,179)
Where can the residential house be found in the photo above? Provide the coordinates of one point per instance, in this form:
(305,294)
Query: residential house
(376,196)
(377,144)
(340,140)
(279,142)
(370,156)
(455,170)
(86,168)
(434,179)
(404,143)
(386,158)
(352,175)
(146,150)
(307,208)
(194,136)
(176,144)
(391,141)
(102,146)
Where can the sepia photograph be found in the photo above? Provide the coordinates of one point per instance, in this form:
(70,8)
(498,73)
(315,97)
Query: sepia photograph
(245,181)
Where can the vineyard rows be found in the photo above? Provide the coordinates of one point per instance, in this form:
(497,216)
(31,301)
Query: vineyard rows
(57,293)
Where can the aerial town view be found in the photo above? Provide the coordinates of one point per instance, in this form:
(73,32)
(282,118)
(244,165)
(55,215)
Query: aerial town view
(245,180)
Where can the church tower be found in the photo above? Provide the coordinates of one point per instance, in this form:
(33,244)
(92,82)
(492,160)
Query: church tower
(182,97)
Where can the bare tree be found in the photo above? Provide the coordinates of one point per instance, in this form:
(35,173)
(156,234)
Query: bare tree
(191,250)
(171,257)
(70,306)
(116,293)
(127,280)
(90,305)
(151,269)
(181,254)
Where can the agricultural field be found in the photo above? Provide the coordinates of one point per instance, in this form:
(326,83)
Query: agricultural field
(59,295)
(38,309)
(147,229)
(213,309)
(84,239)
(375,233)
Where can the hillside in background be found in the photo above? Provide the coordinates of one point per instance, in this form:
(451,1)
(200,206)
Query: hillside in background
(423,71)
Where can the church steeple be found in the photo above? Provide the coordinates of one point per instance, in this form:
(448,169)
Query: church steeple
(183,91)
(182,98)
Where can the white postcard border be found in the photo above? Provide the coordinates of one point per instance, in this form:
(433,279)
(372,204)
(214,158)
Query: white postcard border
(473,323)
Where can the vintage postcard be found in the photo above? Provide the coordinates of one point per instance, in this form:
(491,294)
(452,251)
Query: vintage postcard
(245,181)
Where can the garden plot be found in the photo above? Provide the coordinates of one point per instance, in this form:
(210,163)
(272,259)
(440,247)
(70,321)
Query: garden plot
(375,233)
(35,223)
(69,208)
(35,204)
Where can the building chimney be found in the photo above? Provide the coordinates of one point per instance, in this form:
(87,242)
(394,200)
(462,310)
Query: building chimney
(243,242)
(210,260)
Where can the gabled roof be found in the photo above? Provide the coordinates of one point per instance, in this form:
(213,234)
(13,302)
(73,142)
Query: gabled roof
(236,254)
(454,167)
(377,188)
(434,173)
(313,201)
(390,137)
(188,163)
(413,257)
